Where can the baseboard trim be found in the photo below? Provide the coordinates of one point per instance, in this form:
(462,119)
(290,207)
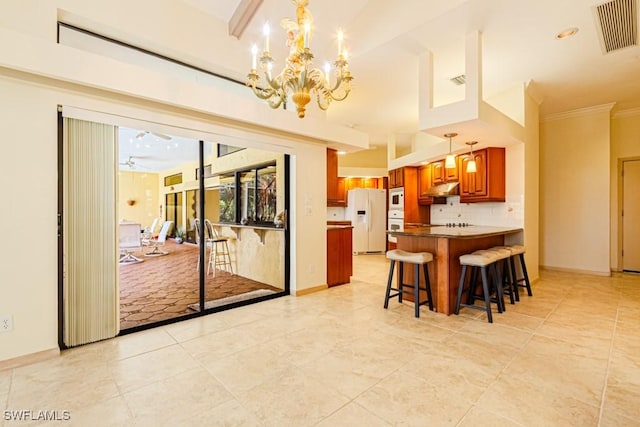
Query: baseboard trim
(312,290)
(28,359)
(576,271)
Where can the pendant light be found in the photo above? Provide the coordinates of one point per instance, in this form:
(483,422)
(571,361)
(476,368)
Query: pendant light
(450,161)
(471,164)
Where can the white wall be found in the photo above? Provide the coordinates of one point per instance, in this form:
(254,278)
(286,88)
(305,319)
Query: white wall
(36,76)
(575,190)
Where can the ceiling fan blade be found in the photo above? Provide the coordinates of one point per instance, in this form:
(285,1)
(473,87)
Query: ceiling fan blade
(162,136)
(143,133)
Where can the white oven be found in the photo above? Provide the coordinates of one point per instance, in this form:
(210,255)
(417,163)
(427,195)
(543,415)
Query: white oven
(396,199)
(395,223)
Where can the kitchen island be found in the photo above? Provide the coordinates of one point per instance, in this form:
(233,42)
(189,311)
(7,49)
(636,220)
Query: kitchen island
(447,244)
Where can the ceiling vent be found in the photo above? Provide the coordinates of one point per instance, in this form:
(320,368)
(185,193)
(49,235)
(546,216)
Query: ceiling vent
(459,80)
(617,24)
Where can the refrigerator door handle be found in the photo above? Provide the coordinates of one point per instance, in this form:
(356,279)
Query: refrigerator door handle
(369,221)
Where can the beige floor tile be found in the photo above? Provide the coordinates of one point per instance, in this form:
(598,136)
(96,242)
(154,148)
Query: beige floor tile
(110,413)
(496,334)
(516,320)
(147,368)
(552,366)
(575,329)
(292,399)
(525,404)
(177,398)
(623,389)
(629,311)
(402,399)
(211,347)
(250,367)
(60,387)
(355,366)
(352,415)
(612,418)
(227,414)
(121,347)
(536,308)
(478,417)
(194,328)
(588,346)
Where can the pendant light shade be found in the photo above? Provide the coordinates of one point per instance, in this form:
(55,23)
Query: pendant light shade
(471,164)
(450,160)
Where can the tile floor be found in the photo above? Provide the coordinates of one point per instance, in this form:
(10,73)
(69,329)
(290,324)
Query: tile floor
(162,287)
(568,356)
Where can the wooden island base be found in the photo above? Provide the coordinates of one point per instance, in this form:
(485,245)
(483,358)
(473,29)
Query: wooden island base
(444,271)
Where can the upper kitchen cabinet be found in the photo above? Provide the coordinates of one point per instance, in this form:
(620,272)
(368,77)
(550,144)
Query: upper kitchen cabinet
(425,180)
(396,178)
(335,187)
(440,174)
(487,184)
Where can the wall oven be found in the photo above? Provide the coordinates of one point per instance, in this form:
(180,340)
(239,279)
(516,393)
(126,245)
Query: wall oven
(395,224)
(396,198)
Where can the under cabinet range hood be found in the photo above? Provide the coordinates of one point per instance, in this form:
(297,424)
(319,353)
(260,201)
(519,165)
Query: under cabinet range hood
(443,190)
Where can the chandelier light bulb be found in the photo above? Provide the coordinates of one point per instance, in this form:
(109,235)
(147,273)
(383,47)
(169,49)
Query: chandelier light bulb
(266,30)
(340,37)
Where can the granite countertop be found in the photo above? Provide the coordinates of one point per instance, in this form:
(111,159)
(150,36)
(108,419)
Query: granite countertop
(470,232)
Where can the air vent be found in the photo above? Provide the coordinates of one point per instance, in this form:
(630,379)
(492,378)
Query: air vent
(459,80)
(618,24)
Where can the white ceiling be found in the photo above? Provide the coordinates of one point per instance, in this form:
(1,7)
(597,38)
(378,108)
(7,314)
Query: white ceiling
(384,39)
(141,151)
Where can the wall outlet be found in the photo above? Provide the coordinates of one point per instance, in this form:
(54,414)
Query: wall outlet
(6,323)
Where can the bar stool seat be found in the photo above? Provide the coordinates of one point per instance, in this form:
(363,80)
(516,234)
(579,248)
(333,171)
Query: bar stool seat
(483,260)
(417,259)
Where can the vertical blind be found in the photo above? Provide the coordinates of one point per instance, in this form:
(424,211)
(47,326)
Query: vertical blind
(90,252)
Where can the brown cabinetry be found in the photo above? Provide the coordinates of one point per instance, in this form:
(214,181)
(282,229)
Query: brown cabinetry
(440,174)
(414,212)
(336,192)
(487,184)
(339,255)
(396,178)
(425,181)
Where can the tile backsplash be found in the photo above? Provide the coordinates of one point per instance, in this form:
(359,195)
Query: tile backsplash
(335,214)
(510,213)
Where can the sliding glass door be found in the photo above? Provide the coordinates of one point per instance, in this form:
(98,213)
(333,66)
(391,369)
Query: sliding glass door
(174,228)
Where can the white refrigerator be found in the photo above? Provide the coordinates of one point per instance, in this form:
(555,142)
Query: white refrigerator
(367,211)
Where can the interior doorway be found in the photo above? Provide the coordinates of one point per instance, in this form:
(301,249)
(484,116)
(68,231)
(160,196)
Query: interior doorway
(631,215)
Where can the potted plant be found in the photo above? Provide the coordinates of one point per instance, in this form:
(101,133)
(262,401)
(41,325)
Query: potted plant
(179,235)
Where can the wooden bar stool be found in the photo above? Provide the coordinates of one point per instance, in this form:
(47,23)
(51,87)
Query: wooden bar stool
(417,259)
(523,282)
(483,260)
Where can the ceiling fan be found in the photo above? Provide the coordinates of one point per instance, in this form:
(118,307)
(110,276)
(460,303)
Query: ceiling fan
(131,163)
(143,133)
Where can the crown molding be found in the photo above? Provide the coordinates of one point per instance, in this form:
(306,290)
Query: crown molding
(627,113)
(579,112)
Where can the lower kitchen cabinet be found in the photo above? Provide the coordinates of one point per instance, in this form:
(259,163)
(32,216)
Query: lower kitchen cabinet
(339,254)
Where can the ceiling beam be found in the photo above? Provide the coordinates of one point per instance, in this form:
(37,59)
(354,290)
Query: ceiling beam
(242,16)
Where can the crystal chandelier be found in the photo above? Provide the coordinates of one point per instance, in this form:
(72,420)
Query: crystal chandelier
(298,78)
